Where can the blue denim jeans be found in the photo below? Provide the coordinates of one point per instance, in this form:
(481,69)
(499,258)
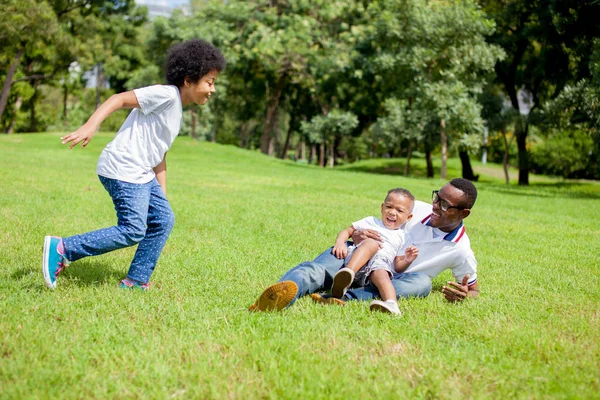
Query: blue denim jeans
(144,216)
(317,276)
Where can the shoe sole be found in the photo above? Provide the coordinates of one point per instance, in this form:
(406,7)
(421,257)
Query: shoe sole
(383,309)
(341,282)
(45,270)
(327,301)
(276,297)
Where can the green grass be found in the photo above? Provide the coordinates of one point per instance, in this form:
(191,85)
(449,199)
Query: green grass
(242,220)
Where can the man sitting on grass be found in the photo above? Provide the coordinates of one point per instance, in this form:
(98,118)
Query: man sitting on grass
(439,234)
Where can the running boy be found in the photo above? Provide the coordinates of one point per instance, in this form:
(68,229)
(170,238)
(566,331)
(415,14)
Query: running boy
(375,262)
(132,168)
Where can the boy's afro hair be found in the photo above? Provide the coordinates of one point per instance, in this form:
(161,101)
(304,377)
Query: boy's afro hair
(468,189)
(192,59)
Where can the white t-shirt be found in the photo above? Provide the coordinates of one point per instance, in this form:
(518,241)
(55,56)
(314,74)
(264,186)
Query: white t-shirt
(145,136)
(439,252)
(395,241)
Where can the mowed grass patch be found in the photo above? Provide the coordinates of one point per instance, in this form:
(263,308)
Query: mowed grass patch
(242,220)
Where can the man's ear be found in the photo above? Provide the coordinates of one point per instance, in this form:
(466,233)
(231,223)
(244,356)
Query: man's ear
(409,217)
(465,213)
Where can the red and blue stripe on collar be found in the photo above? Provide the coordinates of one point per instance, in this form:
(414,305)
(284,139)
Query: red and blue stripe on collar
(453,236)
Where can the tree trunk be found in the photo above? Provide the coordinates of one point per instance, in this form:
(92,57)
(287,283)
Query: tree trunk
(303,150)
(8,82)
(32,116)
(65,103)
(193,132)
(313,154)
(521,133)
(11,127)
(213,132)
(444,148)
(322,155)
(286,145)
(408,156)
(467,169)
(243,133)
(266,143)
(99,84)
(332,154)
(505,158)
(429,162)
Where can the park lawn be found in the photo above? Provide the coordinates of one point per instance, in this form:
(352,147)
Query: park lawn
(242,220)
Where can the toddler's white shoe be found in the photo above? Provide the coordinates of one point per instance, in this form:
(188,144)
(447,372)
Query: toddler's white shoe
(389,306)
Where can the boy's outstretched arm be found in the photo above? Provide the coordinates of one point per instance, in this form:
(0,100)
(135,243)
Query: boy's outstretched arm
(85,133)
(161,174)
(339,249)
(402,262)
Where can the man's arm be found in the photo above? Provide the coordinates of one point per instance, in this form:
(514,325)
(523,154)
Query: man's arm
(161,174)
(458,292)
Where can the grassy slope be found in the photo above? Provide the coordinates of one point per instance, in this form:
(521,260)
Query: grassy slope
(242,220)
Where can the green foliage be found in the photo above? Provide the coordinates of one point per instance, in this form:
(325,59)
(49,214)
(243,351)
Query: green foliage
(565,154)
(325,128)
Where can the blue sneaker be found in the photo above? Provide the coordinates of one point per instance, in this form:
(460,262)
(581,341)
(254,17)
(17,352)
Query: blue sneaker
(54,260)
(128,284)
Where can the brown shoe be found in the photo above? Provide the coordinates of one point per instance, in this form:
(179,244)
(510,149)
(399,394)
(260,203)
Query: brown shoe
(275,297)
(327,301)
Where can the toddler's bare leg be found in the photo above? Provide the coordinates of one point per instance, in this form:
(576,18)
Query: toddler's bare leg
(381,279)
(363,254)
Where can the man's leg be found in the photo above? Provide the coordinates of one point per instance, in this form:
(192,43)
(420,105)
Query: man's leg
(415,284)
(305,278)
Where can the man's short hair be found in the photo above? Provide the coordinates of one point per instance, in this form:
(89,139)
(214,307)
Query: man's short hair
(467,187)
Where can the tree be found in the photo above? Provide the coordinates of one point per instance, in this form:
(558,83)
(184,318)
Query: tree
(548,45)
(26,28)
(327,129)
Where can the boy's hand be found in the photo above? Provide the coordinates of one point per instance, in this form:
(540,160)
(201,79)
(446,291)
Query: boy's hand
(82,135)
(340,251)
(411,253)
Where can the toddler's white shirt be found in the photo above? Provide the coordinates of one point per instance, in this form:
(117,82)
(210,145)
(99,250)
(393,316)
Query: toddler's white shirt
(145,136)
(395,241)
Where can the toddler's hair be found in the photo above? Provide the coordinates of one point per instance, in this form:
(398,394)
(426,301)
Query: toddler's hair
(192,59)
(401,192)
(467,187)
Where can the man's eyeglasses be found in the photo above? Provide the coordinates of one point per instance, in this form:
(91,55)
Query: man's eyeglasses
(444,205)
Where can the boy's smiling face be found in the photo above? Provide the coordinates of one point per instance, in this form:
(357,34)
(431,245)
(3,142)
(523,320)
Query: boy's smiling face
(396,210)
(200,91)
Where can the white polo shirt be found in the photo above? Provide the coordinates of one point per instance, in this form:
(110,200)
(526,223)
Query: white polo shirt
(439,250)
(145,136)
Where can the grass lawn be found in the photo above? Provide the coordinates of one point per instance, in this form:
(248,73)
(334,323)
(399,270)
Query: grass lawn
(242,220)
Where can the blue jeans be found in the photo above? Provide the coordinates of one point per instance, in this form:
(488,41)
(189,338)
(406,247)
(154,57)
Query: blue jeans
(144,216)
(317,276)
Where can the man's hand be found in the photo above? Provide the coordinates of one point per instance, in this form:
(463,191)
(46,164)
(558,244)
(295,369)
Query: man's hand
(340,251)
(363,234)
(455,291)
